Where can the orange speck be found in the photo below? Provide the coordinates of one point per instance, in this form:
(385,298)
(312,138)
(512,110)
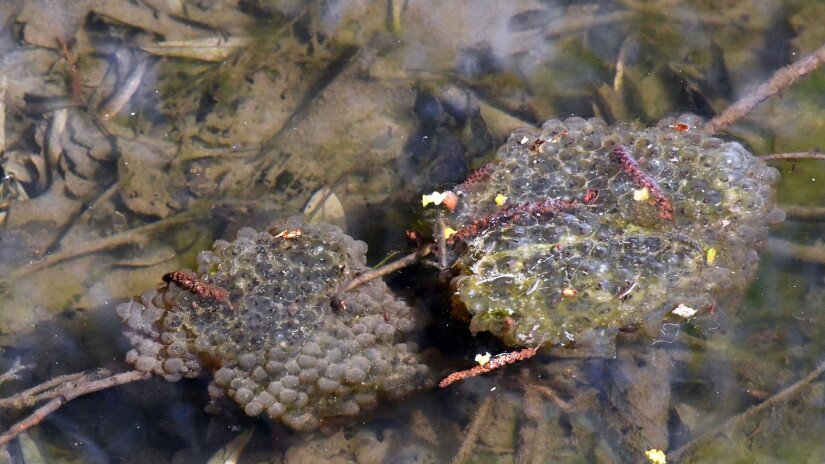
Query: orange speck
(450,200)
(287,234)
(570,292)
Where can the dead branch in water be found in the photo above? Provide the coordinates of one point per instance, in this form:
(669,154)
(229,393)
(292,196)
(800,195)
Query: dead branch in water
(781,79)
(60,393)
(803,155)
(469,443)
(389,268)
(495,363)
(730,424)
(808,253)
(804,213)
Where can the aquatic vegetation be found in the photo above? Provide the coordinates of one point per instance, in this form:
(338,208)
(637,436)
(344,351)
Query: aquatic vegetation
(269,315)
(579,227)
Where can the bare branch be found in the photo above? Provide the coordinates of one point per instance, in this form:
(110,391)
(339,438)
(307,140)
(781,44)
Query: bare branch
(804,213)
(809,253)
(470,439)
(66,392)
(781,79)
(730,424)
(803,155)
(389,268)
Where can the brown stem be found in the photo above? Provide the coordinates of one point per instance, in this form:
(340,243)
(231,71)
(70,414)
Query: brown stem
(809,253)
(733,422)
(388,268)
(135,235)
(469,443)
(804,213)
(564,406)
(531,438)
(781,79)
(802,155)
(41,392)
(69,392)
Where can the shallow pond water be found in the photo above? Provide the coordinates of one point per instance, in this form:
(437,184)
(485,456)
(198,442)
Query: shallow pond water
(136,133)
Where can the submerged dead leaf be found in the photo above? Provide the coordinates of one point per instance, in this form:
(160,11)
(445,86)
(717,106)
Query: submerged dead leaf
(229,453)
(324,206)
(206,49)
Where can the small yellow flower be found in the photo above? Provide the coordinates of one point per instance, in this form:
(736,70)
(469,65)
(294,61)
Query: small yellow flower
(449,231)
(500,199)
(482,359)
(643,194)
(711,255)
(435,198)
(656,456)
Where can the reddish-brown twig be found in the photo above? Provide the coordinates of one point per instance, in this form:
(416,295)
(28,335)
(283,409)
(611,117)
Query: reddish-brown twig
(189,281)
(781,79)
(66,393)
(478,175)
(495,363)
(643,180)
(511,213)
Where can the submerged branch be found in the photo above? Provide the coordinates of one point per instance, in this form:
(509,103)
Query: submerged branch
(781,79)
(469,443)
(132,236)
(803,155)
(389,268)
(808,253)
(66,392)
(730,424)
(804,213)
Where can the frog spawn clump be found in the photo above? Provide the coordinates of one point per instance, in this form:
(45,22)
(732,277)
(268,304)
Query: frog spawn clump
(286,343)
(557,238)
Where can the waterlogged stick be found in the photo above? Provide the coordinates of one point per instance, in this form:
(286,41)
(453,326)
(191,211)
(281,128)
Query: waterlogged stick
(509,214)
(642,180)
(495,363)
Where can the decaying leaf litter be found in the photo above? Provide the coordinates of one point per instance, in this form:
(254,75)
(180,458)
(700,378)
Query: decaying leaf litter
(116,170)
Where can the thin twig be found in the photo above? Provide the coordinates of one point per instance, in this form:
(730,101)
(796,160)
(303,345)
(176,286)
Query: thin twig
(4,83)
(32,396)
(530,437)
(809,253)
(781,79)
(552,396)
(441,240)
(802,155)
(389,268)
(804,213)
(135,235)
(69,393)
(730,424)
(470,439)
(496,363)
